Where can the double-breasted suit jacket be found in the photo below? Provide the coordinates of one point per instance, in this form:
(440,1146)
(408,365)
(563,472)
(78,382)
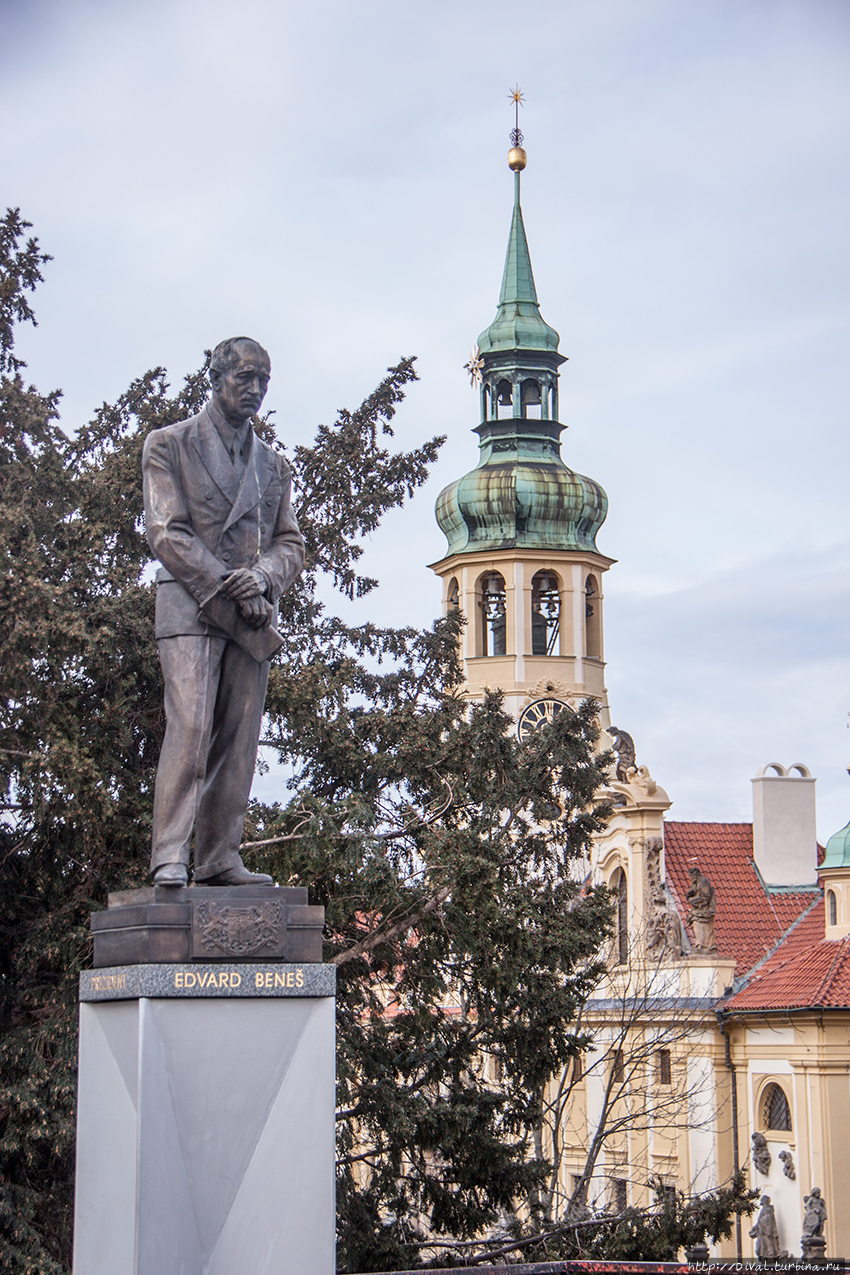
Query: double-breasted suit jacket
(204,520)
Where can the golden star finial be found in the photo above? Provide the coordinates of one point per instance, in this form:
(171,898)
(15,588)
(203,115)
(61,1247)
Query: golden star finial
(517,96)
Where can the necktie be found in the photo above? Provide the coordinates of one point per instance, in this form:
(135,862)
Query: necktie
(236,457)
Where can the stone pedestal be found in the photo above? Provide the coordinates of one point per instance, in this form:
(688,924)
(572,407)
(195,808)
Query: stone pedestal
(205,1127)
(699,1253)
(814,1248)
(207,923)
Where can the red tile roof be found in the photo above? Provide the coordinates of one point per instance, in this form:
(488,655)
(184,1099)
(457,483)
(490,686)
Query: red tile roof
(750,920)
(815,975)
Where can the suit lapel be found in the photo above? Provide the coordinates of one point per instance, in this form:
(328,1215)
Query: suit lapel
(255,480)
(213,453)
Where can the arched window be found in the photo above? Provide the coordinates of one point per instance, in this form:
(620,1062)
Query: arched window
(620,887)
(504,398)
(592,618)
(453,596)
(832,907)
(545,613)
(776,1114)
(493,604)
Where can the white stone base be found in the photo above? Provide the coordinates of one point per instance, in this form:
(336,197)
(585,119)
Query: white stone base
(205,1137)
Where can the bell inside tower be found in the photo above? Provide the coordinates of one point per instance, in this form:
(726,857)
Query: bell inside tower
(530,397)
(545,613)
(493,604)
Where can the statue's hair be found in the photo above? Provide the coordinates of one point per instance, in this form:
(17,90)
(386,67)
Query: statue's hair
(226,352)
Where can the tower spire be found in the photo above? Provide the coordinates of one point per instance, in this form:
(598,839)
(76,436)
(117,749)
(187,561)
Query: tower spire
(518,324)
(521,495)
(517,279)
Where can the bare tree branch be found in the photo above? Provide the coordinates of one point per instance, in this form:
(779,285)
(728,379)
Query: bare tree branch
(383,936)
(272,841)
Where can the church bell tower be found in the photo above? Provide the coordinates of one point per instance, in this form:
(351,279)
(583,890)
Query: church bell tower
(521,562)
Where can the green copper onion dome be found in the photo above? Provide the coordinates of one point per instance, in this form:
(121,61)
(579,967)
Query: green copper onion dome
(522,504)
(521,494)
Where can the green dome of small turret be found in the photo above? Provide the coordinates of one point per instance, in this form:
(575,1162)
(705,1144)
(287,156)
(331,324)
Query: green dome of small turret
(521,494)
(838,850)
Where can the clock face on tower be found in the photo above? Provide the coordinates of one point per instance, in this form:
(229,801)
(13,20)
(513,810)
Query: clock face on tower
(538,714)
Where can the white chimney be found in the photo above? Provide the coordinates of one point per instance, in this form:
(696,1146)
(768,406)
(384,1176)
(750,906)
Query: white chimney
(785,825)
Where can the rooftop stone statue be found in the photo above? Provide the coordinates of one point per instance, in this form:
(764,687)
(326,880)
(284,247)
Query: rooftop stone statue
(702,905)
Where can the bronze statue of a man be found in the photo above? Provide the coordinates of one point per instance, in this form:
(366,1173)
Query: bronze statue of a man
(219,520)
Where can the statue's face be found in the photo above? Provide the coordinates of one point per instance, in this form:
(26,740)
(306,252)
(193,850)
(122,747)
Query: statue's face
(240,390)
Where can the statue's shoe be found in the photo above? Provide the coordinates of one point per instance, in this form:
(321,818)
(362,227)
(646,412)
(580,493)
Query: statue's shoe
(175,874)
(238,876)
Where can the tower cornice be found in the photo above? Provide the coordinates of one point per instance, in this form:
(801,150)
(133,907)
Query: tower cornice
(482,558)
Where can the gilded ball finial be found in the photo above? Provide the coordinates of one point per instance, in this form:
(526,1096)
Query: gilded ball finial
(517,158)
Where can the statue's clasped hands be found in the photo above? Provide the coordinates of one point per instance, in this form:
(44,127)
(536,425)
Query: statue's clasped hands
(246,588)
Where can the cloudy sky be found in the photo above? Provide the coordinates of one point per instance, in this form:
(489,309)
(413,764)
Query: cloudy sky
(330,176)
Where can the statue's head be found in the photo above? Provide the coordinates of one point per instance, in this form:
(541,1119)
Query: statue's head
(239,374)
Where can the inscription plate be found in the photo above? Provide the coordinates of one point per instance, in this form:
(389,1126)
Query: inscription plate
(130,982)
(239,931)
